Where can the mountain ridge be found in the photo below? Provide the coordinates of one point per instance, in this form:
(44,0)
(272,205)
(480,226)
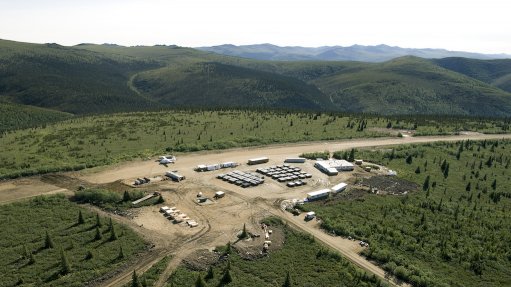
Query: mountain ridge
(373,53)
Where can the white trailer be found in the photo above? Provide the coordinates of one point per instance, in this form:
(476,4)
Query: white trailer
(320,194)
(339,187)
(258,160)
(174,175)
(295,160)
(229,164)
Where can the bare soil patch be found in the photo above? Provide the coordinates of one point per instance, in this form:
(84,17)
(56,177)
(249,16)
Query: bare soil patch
(390,185)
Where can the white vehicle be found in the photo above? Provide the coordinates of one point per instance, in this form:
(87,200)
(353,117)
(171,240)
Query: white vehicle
(310,215)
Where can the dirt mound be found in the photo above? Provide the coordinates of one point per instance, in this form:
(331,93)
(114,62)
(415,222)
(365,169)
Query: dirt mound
(201,260)
(390,185)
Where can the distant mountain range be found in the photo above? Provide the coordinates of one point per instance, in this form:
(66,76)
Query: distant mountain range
(48,82)
(379,53)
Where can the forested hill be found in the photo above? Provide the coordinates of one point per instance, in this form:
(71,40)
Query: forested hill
(91,79)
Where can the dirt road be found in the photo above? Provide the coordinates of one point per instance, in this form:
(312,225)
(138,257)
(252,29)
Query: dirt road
(220,221)
(186,162)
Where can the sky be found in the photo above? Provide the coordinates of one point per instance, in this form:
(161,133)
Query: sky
(469,25)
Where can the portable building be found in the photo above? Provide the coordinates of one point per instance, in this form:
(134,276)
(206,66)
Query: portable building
(359,162)
(339,187)
(229,164)
(257,160)
(174,175)
(219,194)
(320,194)
(295,160)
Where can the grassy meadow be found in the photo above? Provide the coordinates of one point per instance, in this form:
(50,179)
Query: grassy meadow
(30,257)
(307,262)
(455,231)
(84,142)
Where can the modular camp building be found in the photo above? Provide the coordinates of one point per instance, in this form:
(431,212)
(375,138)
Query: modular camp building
(320,194)
(325,167)
(339,187)
(332,167)
(295,160)
(174,175)
(219,194)
(258,160)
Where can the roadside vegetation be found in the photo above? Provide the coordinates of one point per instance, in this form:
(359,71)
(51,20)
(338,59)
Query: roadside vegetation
(49,241)
(300,262)
(87,142)
(454,231)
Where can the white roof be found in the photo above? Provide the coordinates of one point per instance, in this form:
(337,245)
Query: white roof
(339,186)
(318,192)
(310,213)
(219,192)
(258,158)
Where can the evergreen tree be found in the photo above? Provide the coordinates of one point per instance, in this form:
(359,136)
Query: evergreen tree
(98,221)
(98,235)
(227,248)
(425,185)
(287,281)
(468,187)
(126,196)
(446,171)
(121,253)
(64,262)
(110,224)
(351,157)
(409,159)
(418,170)
(134,280)
(81,220)
(226,278)
(244,233)
(160,200)
(32,259)
(48,241)
(210,275)
(200,282)
(113,235)
(494,184)
(89,255)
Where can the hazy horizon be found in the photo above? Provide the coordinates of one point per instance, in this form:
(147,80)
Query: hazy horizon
(454,25)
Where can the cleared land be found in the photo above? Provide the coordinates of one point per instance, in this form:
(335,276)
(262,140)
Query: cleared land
(221,221)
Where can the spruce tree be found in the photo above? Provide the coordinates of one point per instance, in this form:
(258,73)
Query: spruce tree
(418,170)
(48,241)
(98,235)
(210,275)
(287,282)
(126,196)
(32,259)
(89,255)
(113,235)
(160,200)
(64,262)
(134,279)
(409,159)
(81,220)
(121,253)
(425,185)
(226,278)
(98,221)
(244,233)
(110,224)
(200,282)
(351,157)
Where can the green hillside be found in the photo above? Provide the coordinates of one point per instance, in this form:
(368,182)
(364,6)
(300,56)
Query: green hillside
(411,85)
(13,116)
(221,85)
(495,72)
(91,79)
(68,79)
